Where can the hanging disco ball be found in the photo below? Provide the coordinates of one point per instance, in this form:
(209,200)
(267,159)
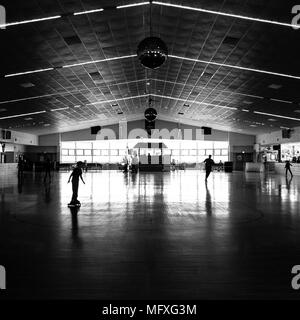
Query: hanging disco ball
(152,52)
(150,114)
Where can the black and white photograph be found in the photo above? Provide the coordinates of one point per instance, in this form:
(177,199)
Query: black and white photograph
(150,151)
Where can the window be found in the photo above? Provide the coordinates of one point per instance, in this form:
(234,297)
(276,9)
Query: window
(79,152)
(96,152)
(113,151)
(87,152)
(217,152)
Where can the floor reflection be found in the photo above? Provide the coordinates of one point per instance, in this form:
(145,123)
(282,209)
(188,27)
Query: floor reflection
(150,235)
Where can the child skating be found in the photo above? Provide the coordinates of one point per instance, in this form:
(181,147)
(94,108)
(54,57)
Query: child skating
(76,173)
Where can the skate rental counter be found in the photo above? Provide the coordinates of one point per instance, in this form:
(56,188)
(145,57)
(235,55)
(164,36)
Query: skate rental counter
(153,157)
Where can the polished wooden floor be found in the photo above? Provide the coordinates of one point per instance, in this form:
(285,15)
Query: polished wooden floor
(151,236)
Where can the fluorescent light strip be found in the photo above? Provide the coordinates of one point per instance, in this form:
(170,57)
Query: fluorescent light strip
(98,61)
(27,72)
(22,115)
(245,110)
(250,95)
(133,5)
(237,67)
(59,109)
(276,115)
(119,99)
(87,12)
(191,102)
(224,14)
(278,100)
(10,24)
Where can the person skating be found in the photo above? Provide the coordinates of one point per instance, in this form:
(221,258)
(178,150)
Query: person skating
(75,175)
(288,168)
(209,162)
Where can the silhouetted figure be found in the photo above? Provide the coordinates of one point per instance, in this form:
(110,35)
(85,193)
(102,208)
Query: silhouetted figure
(125,167)
(75,175)
(220,166)
(47,168)
(288,166)
(209,162)
(20,168)
(134,163)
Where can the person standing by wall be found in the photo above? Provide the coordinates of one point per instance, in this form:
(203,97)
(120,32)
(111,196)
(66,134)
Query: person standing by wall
(209,162)
(288,168)
(75,175)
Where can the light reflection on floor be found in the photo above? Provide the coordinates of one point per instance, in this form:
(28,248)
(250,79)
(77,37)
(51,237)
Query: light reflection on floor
(156,234)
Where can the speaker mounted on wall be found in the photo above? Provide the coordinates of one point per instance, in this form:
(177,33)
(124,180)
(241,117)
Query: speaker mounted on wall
(95,130)
(206,130)
(286,133)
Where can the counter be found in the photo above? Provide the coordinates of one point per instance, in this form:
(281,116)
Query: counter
(254,167)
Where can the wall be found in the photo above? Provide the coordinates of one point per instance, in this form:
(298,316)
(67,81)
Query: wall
(22,138)
(276,137)
(242,141)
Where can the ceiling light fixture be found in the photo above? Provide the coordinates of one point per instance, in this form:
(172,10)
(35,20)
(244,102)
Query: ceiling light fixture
(198,102)
(87,12)
(10,24)
(237,67)
(27,72)
(22,115)
(133,5)
(224,14)
(98,61)
(278,100)
(276,115)
(59,109)
(119,99)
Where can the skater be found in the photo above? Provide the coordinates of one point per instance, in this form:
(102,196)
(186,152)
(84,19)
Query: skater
(47,167)
(75,175)
(134,163)
(209,162)
(288,168)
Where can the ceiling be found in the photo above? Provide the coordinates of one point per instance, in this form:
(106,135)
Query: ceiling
(188,91)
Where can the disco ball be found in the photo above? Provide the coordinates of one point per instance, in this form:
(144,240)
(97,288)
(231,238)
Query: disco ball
(152,52)
(150,114)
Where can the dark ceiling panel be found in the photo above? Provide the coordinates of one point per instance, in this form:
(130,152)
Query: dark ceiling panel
(207,88)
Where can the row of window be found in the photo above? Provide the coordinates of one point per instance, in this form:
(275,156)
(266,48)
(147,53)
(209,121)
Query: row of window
(122,152)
